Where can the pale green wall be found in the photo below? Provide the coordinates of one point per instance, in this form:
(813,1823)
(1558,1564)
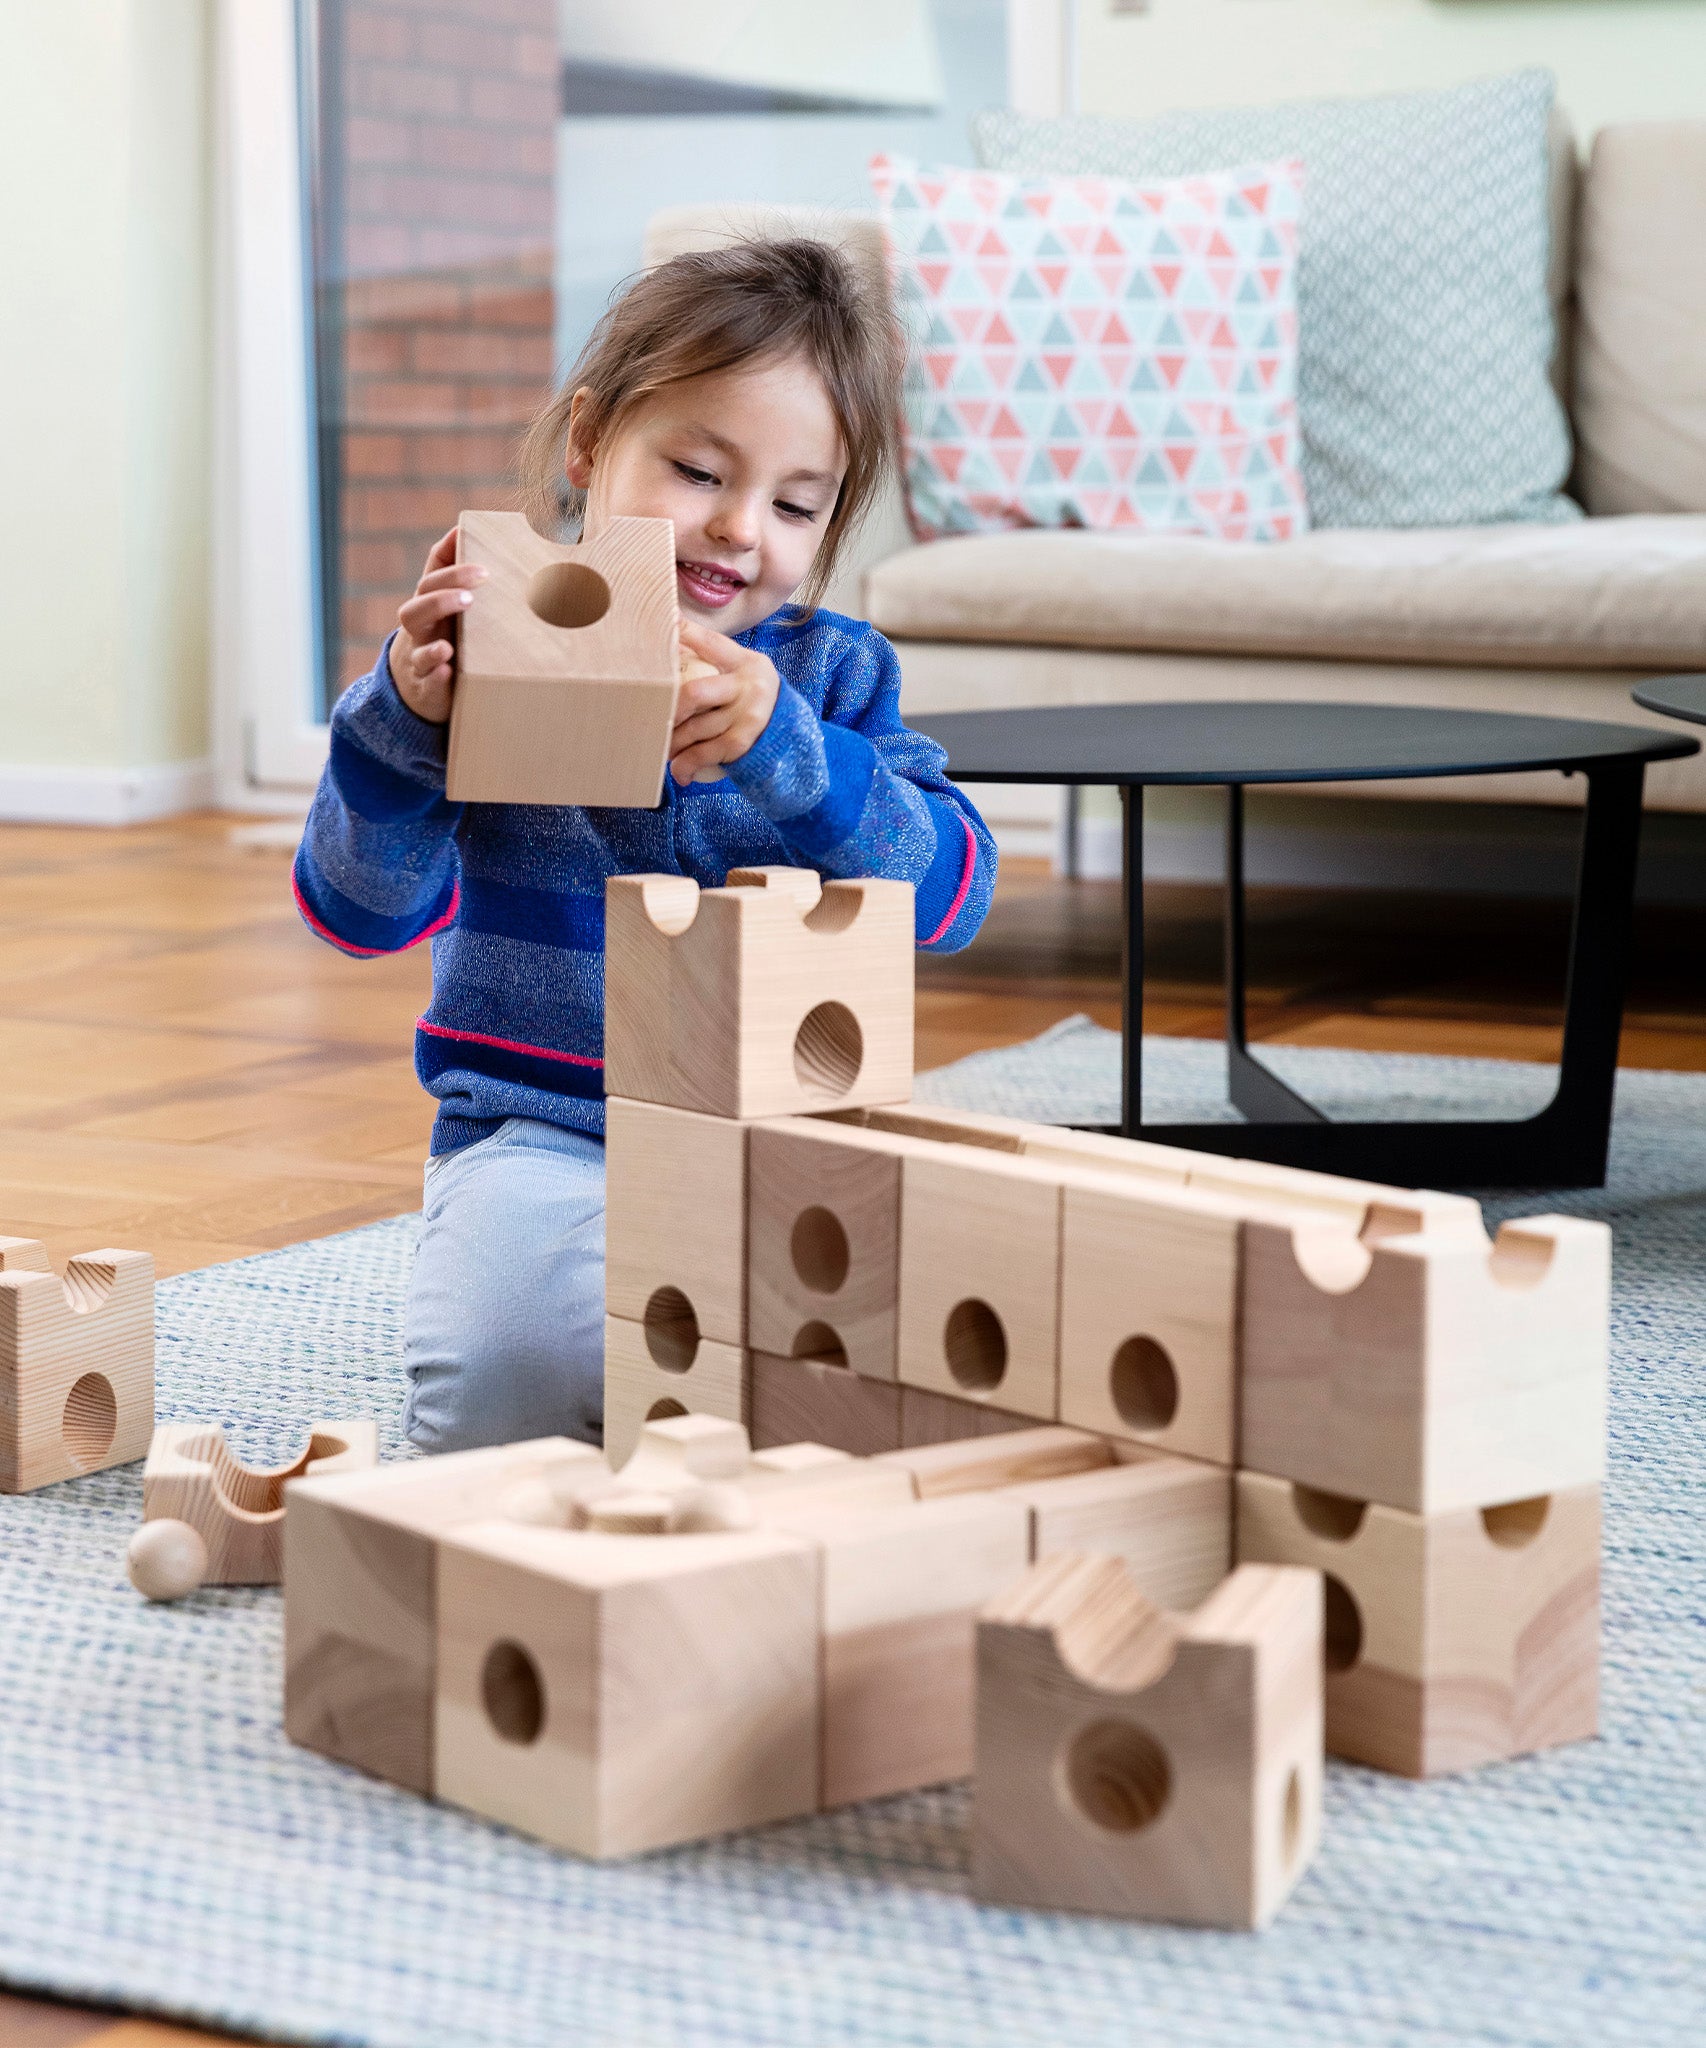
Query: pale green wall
(105,349)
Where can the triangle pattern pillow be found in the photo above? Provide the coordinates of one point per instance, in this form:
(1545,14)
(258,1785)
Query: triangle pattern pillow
(1095,353)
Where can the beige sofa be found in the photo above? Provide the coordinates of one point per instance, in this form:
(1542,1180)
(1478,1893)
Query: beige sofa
(1557,619)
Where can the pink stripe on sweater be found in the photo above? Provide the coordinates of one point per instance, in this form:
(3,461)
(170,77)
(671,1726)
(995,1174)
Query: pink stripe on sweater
(958,903)
(539,1052)
(372,952)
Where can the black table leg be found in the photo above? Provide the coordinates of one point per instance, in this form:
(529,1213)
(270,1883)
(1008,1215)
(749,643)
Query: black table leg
(1255,1091)
(1131,986)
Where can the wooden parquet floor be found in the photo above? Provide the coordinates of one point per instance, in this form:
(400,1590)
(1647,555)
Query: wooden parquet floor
(184,1068)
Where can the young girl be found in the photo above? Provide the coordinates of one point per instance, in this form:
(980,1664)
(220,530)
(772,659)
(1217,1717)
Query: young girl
(750,396)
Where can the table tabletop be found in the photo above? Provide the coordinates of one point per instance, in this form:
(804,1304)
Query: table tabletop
(1243,742)
(1676,697)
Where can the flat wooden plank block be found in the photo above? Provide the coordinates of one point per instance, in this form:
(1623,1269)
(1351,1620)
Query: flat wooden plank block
(675,1208)
(644,1383)
(76,1364)
(796,1399)
(1169,1519)
(978,1464)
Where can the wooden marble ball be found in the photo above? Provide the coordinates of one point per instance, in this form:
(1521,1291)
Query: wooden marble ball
(166,1560)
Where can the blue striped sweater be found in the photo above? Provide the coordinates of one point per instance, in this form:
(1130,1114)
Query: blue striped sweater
(512,895)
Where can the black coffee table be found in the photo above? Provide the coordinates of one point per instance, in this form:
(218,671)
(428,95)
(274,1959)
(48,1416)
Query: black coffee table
(1135,745)
(1676,697)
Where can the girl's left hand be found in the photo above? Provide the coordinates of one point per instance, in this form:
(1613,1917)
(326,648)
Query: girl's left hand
(719,717)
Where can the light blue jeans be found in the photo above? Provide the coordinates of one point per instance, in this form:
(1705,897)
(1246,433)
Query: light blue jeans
(503,1334)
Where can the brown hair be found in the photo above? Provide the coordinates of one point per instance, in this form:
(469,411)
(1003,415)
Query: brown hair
(716,309)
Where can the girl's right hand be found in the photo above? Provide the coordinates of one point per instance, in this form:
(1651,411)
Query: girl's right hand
(423,654)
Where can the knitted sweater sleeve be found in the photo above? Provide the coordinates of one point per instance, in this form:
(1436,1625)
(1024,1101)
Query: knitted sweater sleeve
(855,792)
(377,867)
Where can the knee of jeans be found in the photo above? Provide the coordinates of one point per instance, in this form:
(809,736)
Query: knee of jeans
(504,1386)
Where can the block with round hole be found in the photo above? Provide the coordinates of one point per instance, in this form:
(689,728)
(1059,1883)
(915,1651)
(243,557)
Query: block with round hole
(193,1476)
(675,1209)
(662,1367)
(1135,1761)
(1427,1371)
(979,1278)
(76,1363)
(567,667)
(1452,1639)
(772,996)
(611,1694)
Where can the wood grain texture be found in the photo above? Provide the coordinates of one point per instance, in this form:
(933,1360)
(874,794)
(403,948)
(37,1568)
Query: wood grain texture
(763,998)
(653,1373)
(927,1418)
(1169,1519)
(1137,1762)
(192,1476)
(675,1208)
(1453,1639)
(551,712)
(1427,1372)
(654,1689)
(76,1365)
(807,1400)
(978,1464)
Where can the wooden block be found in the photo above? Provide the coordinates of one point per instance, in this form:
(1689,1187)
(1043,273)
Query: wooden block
(361,1603)
(1169,1519)
(1431,1371)
(762,998)
(1132,1761)
(675,1222)
(569,662)
(685,1450)
(979,1464)
(1452,1639)
(643,1383)
(824,1236)
(611,1694)
(943,1419)
(238,1510)
(980,1278)
(900,1589)
(793,1398)
(76,1364)
(780,1479)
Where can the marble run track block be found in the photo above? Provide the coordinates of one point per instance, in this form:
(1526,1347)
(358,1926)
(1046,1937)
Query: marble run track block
(662,1368)
(1169,1519)
(1453,1639)
(900,1589)
(1430,1371)
(940,1419)
(823,1477)
(675,1210)
(1137,1762)
(768,997)
(611,1694)
(361,1597)
(76,1363)
(238,1510)
(684,1451)
(1010,1458)
(980,1279)
(568,666)
(811,1398)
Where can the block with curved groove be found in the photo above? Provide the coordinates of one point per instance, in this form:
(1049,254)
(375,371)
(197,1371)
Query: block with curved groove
(770,996)
(1427,1371)
(675,1218)
(665,1368)
(1133,1761)
(76,1363)
(192,1476)
(568,665)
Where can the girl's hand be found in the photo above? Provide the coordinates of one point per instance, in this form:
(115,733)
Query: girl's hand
(718,717)
(423,655)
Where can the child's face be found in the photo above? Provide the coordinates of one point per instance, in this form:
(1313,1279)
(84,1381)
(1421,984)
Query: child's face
(747,463)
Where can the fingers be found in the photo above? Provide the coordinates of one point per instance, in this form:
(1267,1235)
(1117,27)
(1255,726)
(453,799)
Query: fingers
(459,576)
(704,693)
(689,767)
(421,615)
(442,553)
(710,645)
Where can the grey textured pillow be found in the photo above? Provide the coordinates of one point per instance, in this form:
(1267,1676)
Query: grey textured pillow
(1425,329)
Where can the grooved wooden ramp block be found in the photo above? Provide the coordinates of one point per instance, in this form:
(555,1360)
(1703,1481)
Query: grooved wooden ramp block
(568,666)
(798,1399)
(191,1476)
(675,1218)
(661,1368)
(769,997)
(361,1601)
(940,1419)
(978,1464)
(822,1476)
(980,1279)
(1132,1761)
(76,1363)
(1430,1371)
(900,1589)
(1452,1639)
(1170,1519)
(611,1694)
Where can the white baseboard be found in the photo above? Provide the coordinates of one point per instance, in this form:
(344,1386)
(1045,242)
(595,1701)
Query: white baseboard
(104,796)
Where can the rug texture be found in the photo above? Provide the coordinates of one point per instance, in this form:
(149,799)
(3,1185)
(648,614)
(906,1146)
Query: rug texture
(162,1846)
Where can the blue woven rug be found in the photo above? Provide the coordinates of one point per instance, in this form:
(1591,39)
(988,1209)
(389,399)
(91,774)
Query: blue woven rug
(162,1846)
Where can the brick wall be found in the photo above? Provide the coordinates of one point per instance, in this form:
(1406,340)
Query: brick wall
(437,124)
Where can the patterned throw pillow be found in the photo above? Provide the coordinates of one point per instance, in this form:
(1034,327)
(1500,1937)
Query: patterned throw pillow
(1425,322)
(1099,354)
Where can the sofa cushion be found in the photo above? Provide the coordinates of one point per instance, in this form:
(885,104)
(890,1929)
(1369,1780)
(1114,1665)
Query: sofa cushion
(1602,593)
(1640,359)
(1426,327)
